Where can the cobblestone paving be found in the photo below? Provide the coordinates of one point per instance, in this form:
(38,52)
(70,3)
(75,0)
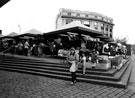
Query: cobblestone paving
(131,84)
(19,85)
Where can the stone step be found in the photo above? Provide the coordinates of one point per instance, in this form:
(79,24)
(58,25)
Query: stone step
(40,67)
(116,77)
(58,67)
(47,63)
(42,64)
(37,60)
(61,67)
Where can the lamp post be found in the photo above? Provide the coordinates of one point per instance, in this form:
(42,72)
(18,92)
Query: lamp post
(19,29)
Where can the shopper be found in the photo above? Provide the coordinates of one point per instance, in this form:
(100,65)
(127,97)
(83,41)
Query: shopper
(83,62)
(72,59)
(20,48)
(26,47)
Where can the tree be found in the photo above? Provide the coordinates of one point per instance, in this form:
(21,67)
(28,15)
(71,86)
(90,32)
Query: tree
(121,40)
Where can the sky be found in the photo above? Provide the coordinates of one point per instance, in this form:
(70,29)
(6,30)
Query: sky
(41,15)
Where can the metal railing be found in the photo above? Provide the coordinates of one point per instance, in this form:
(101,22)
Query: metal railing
(4,51)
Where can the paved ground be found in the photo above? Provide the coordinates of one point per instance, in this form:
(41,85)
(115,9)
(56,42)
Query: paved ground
(18,85)
(132,78)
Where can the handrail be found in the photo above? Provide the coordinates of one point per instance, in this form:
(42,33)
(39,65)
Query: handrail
(6,50)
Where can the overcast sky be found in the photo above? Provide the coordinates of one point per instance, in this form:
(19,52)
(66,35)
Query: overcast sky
(41,14)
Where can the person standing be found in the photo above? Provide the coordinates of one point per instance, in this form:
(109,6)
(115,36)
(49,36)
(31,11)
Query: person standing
(26,47)
(83,61)
(20,48)
(72,59)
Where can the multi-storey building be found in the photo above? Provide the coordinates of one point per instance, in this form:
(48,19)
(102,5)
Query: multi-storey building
(92,20)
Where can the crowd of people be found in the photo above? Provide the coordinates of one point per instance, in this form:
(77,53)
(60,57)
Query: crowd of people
(21,48)
(60,47)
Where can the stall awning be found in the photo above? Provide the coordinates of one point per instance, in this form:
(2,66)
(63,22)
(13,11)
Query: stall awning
(113,43)
(107,40)
(75,28)
(11,35)
(30,33)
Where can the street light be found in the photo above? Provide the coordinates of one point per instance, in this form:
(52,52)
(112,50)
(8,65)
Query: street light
(19,29)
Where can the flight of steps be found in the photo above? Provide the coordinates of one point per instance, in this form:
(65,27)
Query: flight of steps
(110,77)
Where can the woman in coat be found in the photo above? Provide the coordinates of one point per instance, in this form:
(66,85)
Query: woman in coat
(72,59)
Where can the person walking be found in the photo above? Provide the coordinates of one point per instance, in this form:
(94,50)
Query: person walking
(72,59)
(83,62)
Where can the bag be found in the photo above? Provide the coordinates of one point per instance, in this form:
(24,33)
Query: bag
(73,67)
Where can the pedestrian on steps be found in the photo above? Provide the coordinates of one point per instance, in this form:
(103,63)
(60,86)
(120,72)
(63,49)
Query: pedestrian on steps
(83,62)
(72,59)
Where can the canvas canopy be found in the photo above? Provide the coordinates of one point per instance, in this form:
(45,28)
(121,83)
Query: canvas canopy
(30,33)
(10,35)
(75,27)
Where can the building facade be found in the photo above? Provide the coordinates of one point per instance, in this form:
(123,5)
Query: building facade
(94,21)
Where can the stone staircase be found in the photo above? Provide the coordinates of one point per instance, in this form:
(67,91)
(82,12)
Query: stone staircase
(36,66)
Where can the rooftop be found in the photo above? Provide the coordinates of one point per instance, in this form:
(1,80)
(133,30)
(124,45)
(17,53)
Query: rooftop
(85,12)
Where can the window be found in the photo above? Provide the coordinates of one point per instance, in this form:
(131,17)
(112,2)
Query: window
(111,35)
(110,30)
(96,28)
(102,26)
(86,23)
(68,20)
(69,14)
(99,17)
(95,16)
(87,15)
(78,15)
(106,28)
(95,23)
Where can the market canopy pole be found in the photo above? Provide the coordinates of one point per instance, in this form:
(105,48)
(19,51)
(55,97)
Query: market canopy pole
(3,2)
